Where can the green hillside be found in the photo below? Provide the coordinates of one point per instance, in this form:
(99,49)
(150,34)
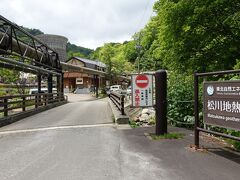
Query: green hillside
(74,50)
(34,32)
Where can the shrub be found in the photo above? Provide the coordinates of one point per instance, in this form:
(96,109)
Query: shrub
(180,99)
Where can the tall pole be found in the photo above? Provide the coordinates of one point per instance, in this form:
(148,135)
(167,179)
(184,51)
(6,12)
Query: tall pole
(196,111)
(59,84)
(161,102)
(37,100)
(39,79)
(138,47)
(50,87)
(62,83)
(97,85)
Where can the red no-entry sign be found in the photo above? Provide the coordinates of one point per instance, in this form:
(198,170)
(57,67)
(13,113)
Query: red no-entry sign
(142,81)
(142,90)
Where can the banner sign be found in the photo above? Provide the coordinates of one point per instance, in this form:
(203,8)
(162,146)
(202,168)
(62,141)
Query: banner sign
(222,104)
(142,90)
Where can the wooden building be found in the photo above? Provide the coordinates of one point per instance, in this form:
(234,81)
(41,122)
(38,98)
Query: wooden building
(82,82)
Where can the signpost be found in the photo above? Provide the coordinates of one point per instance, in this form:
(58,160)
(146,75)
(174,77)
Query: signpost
(222,104)
(142,96)
(161,102)
(142,90)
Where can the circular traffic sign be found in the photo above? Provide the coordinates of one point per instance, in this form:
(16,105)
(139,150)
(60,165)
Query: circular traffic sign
(142,81)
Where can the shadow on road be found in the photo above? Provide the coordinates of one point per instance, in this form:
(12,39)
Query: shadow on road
(228,154)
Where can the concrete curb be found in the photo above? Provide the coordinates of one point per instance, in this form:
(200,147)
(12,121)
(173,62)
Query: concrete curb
(119,119)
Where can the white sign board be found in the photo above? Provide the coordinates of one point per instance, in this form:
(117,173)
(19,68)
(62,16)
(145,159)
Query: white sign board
(79,80)
(142,90)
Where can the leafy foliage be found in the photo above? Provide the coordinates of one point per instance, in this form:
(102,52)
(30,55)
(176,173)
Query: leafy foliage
(115,58)
(74,50)
(180,99)
(236,144)
(14,77)
(33,32)
(133,124)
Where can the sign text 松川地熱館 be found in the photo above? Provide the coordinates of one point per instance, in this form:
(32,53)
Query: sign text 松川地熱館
(222,104)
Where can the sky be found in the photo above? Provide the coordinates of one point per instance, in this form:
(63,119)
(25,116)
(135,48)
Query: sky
(87,23)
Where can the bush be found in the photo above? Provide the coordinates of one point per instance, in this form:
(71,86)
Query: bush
(236,144)
(180,99)
(133,124)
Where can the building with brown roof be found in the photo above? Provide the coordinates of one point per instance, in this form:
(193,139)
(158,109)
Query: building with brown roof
(82,82)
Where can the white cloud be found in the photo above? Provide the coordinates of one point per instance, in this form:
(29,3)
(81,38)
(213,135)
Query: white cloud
(88,23)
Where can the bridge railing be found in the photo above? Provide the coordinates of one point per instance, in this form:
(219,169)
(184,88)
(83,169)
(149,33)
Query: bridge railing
(118,100)
(20,103)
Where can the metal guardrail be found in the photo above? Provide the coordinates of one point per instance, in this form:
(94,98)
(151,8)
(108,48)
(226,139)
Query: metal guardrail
(118,100)
(21,102)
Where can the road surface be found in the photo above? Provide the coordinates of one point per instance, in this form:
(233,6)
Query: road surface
(74,141)
(79,141)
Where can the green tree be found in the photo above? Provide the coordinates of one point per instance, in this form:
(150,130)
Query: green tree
(14,77)
(114,56)
(75,54)
(83,52)
(198,35)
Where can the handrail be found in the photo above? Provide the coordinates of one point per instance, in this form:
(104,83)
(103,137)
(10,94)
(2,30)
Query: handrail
(27,95)
(9,103)
(118,100)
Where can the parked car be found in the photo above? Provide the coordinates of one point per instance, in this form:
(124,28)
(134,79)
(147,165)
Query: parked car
(107,89)
(43,90)
(129,90)
(115,88)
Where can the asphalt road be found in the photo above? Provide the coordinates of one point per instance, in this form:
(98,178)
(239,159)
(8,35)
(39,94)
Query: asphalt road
(78,141)
(74,141)
(79,153)
(81,110)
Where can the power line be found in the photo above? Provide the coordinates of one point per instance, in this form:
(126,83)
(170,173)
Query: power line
(143,15)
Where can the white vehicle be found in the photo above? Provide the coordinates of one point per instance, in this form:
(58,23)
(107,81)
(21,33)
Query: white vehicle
(129,90)
(43,90)
(115,88)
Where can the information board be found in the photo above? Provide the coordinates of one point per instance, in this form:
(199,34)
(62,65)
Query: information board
(222,104)
(142,90)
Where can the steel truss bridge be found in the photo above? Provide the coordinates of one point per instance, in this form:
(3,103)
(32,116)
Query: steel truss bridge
(23,52)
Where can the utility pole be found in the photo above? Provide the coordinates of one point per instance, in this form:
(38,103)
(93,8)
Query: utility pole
(138,48)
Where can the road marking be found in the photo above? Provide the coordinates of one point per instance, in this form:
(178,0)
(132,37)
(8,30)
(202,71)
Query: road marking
(54,128)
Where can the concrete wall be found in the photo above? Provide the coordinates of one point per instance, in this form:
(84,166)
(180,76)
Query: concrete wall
(57,43)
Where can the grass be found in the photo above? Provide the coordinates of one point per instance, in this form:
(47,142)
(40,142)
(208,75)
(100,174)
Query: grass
(133,124)
(167,136)
(235,144)
(102,95)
